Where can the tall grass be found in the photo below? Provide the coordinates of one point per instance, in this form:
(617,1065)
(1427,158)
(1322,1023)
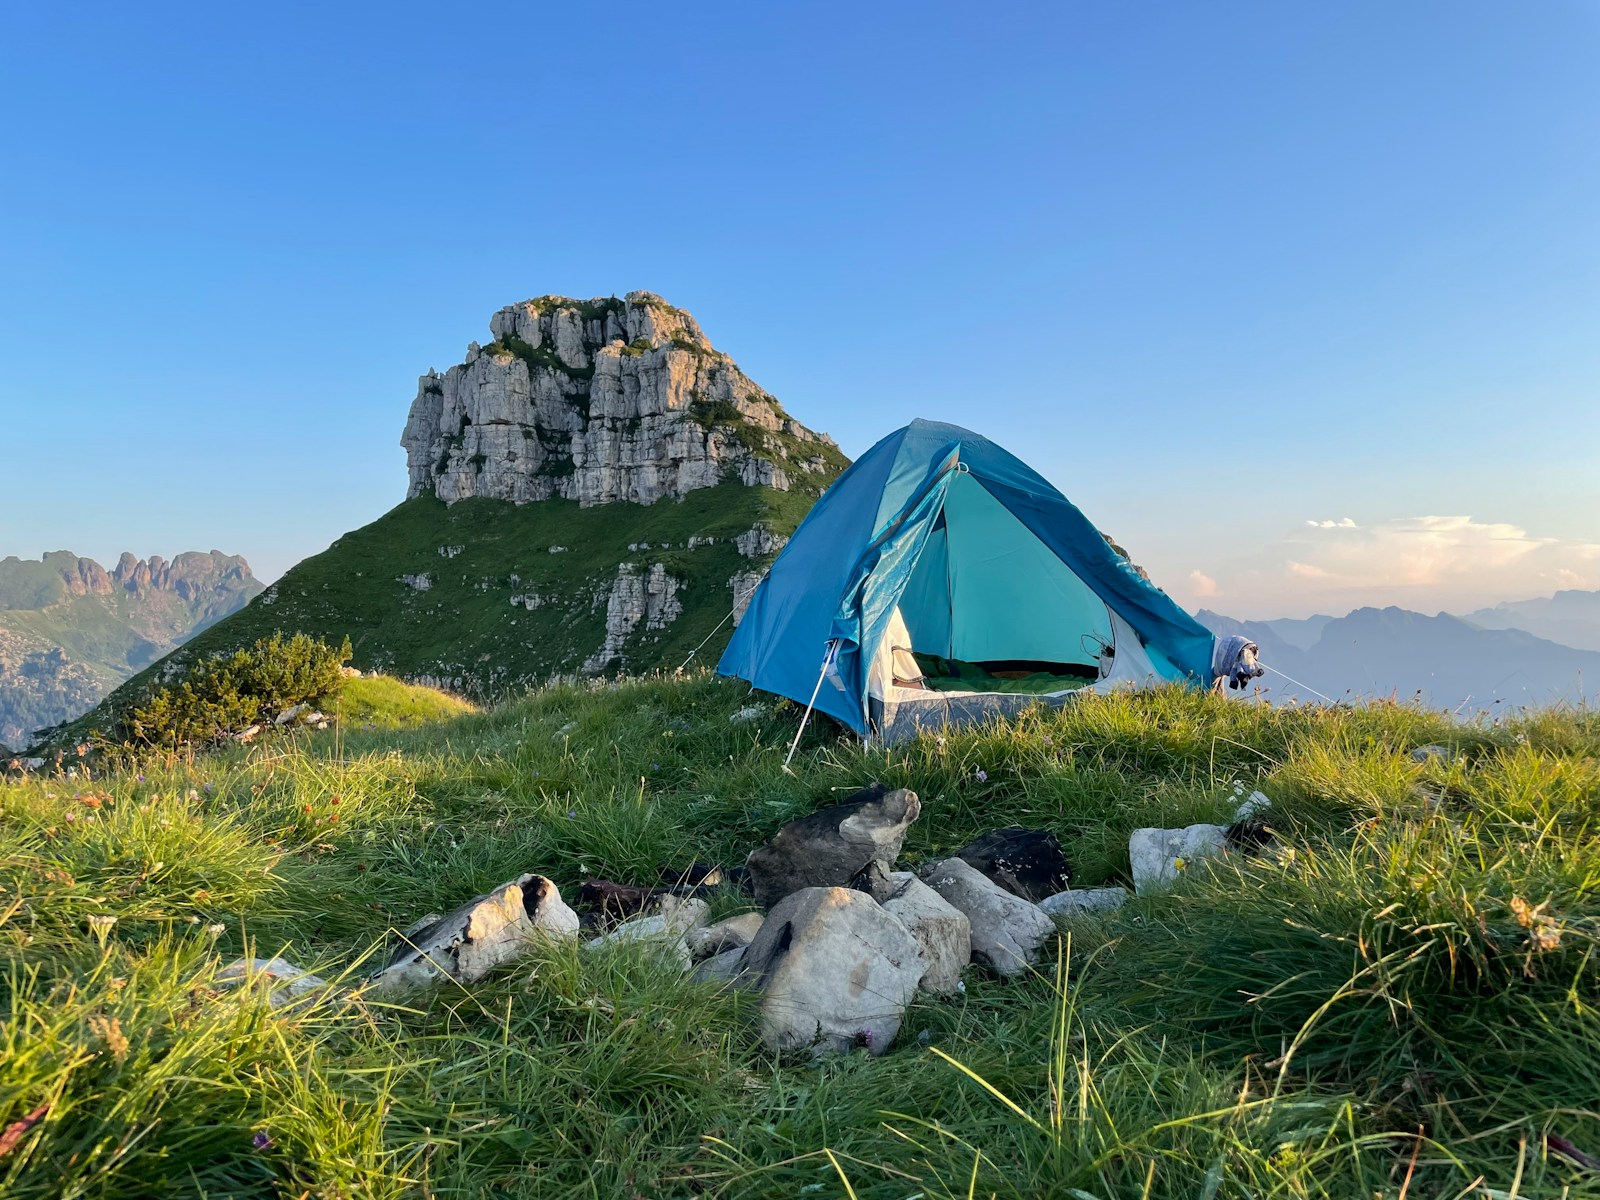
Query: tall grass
(1399,1001)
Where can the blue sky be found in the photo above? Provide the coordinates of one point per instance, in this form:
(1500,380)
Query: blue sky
(1298,301)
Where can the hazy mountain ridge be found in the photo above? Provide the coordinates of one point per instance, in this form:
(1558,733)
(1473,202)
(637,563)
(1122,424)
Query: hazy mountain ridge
(1447,661)
(71,631)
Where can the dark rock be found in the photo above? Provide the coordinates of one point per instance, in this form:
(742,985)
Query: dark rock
(1026,862)
(696,874)
(873,879)
(830,847)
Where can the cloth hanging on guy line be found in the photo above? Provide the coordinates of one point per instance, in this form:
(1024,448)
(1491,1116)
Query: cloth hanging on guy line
(1234,659)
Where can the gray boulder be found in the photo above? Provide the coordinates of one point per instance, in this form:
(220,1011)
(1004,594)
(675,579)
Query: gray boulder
(668,927)
(941,929)
(731,933)
(837,972)
(1007,930)
(829,848)
(720,968)
(1158,857)
(483,933)
(1076,903)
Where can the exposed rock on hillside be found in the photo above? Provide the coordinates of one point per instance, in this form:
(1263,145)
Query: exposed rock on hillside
(599,401)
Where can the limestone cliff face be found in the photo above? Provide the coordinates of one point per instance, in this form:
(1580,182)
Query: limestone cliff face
(600,401)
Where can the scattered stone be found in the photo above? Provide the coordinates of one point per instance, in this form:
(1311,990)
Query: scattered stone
(837,972)
(1252,805)
(750,712)
(248,734)
(286,983)
(1026,862)
(720,968)
(674,918)
(828,847)
(350,672)
(873,879)
(1430,753)
(292,713)
(1007,930)
(483,933)
(1158,856)
(731,933)
(941,929)
(1084,900)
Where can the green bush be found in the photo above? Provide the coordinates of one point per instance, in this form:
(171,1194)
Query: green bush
(229,692)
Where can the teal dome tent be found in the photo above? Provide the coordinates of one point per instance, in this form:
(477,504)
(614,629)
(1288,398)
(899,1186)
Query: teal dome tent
(941,580)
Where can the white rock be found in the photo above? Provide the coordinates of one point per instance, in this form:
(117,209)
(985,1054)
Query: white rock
(1157,856)
(1007,930)
(728,934)
(651,598)
(487,931)
(667,928)
(1252,805)
(750,712)
(941,929)
(286,983)
(836,970)
(1073,903)
(291,714)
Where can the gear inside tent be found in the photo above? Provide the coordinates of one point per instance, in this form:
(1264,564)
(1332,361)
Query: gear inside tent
(939,581)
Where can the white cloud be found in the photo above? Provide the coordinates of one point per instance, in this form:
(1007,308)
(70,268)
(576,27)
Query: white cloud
(1201,584)
(1427,563)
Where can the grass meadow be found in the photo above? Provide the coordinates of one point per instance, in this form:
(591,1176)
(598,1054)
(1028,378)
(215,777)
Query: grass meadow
(1399,1003)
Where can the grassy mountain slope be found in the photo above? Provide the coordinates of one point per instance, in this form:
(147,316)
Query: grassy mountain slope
(465,630)
(1403,1005)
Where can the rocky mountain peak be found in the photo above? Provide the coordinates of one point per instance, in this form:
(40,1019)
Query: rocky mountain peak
(600,401)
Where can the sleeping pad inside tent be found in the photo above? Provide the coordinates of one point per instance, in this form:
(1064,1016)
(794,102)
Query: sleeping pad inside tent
(940,581)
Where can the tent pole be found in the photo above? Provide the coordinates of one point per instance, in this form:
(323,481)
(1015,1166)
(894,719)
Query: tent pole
(827,660)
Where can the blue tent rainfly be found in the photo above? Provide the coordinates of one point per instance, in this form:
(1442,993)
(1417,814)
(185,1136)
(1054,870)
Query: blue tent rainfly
(941,580)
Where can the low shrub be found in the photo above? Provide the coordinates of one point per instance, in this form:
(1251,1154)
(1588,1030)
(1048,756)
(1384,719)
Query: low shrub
(228,692)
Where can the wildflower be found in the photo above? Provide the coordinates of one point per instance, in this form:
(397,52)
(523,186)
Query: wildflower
(71,817)
(216,930)
(261,1142)
(193,795)
(572,812)
(209,788)
(1047,741)
(100,925)
(655,766)
(141,779)
(864,1038)
(981,775)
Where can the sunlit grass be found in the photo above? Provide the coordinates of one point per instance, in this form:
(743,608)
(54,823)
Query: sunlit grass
(1401,1001)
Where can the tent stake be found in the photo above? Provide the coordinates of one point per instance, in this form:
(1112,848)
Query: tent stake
(827,660)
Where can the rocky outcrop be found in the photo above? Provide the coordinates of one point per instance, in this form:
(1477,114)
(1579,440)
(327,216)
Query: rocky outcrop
(599,401)
(650,598)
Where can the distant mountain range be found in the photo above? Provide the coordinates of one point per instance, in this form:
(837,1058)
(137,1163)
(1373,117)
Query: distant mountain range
(1523,652)
(70,630)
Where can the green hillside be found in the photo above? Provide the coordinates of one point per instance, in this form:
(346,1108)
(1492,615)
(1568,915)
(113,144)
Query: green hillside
(1399,1003)
(468,630)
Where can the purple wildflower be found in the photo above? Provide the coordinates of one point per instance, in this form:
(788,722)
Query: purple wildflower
(572,812)
(655,766)
(981,775)
(210,787)
(864,1038)
(261,1142)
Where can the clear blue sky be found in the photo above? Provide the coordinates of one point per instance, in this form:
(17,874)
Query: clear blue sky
(1219,270)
